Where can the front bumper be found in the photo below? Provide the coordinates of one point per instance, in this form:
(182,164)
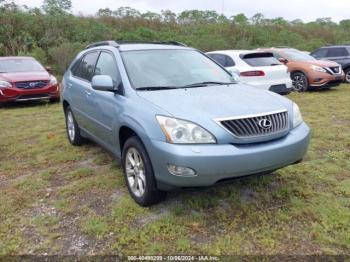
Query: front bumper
(16,95)
(325,80)
(213,163)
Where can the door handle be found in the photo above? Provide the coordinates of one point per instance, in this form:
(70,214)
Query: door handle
(88,93)
(70,85)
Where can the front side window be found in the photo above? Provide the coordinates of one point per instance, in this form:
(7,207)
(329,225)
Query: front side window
(20,65)
(171,68)
(106,66)
(337,52)
(86,67)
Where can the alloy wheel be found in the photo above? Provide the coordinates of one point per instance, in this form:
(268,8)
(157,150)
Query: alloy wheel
(347,76)
(70,125)
(135,172)
(298,83)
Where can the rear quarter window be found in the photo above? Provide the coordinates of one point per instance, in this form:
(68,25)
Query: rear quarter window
(260,59)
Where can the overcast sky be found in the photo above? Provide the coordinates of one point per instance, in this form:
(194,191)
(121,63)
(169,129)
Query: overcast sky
(306,10)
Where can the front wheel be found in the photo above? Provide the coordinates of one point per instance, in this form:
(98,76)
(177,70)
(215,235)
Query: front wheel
(139,174)
(347,76)
(300,82)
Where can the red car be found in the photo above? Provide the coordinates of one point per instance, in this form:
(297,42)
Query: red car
(25,79)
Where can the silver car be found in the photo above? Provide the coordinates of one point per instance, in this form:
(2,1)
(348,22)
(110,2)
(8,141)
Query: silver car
(175,118)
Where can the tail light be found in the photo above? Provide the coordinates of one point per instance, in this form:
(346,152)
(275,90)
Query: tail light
(253,73)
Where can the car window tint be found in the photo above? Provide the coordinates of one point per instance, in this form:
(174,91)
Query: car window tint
(320,53)
(336,52)
(260,59)
(223,60)
(106,65)
(86,67)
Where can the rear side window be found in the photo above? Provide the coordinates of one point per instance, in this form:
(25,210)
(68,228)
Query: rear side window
(86,67)
(106,65)
(260,59)
(336,52)
(224,60)
(320,53)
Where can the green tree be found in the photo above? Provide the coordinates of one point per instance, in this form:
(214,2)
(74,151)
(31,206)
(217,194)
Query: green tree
(54,7)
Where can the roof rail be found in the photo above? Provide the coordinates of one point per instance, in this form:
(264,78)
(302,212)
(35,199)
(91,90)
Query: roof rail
(282,46)
(103,43)
(152,42)
(117,44)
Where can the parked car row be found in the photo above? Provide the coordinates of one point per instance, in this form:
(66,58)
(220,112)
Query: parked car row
(175,117)
(282,69)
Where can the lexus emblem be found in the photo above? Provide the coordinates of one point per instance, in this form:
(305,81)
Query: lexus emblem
(265,123)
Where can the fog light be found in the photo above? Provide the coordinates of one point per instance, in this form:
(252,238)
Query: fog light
(181,171)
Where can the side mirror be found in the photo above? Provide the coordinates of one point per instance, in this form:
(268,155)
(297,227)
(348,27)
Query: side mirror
(48,69)
(283,60)
(103,83)
(235,74)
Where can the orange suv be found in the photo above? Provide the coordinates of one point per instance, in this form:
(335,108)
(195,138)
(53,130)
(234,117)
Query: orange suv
(306,71)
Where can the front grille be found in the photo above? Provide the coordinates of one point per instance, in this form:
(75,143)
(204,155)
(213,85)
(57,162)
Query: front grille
(334,70)
(261,125)
(32,84)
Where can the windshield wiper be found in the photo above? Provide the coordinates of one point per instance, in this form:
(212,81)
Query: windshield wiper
(154,88)
(207,83)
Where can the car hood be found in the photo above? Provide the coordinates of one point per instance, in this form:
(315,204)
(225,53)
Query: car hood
(321,63)
(25,76)
(199,104)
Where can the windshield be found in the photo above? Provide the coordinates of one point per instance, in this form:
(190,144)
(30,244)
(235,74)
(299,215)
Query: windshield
(20,65)
(171,68)
(296,55)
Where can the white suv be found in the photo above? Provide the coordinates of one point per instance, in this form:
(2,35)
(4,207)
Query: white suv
(257,68)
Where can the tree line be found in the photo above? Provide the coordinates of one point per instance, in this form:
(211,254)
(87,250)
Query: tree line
(53,35)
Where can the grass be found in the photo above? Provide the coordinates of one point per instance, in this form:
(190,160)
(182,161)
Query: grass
(59,199)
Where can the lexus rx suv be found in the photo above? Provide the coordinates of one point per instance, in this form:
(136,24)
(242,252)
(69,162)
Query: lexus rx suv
(175,118)
(336,53)
(257,68)
(24,79)
(307,72)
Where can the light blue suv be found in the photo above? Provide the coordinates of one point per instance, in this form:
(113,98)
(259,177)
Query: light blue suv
(175,118)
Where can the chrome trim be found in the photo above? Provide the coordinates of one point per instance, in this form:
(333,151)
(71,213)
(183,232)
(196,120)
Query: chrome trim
(331,71)
(32,99)
(218,121)
(250,116)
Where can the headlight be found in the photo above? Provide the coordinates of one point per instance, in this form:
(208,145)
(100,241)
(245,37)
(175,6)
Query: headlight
(184,132)
(53,80)
(5,84)
(318,69)
(297,117)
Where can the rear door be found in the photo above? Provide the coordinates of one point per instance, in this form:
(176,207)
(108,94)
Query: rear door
(338,54)
(79,85)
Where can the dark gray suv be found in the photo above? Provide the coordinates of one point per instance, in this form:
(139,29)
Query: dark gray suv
(336,53)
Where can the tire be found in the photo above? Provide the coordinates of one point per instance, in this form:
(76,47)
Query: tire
(138,173)
(300,82)
(347,75)
(72,128)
